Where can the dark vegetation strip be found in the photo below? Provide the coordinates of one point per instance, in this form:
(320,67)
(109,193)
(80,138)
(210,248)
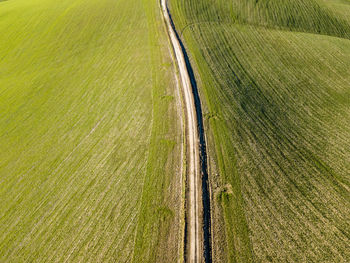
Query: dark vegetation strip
(203,153)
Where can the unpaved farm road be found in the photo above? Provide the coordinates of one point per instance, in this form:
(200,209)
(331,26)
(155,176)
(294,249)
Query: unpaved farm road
(194,247)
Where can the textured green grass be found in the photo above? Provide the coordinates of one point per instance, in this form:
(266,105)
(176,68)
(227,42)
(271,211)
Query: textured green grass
(275,78)
(90,134)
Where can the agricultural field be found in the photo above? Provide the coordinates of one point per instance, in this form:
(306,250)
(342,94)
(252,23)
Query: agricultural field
(274,78)
(90,133)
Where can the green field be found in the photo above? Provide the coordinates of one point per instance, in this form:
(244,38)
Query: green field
(274,78)
(90,133)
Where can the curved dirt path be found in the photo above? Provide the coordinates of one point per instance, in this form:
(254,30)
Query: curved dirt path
(194,233)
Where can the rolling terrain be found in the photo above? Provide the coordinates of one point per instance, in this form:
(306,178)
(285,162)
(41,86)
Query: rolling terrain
(90,133)
(93,130)
(274,78)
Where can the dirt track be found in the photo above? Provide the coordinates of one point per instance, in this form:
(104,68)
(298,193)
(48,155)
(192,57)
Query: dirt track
(194,231)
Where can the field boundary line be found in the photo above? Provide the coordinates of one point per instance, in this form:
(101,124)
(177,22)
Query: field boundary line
(198,230)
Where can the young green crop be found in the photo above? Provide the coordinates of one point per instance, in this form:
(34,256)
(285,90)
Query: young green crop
(274,79)
(90,134)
